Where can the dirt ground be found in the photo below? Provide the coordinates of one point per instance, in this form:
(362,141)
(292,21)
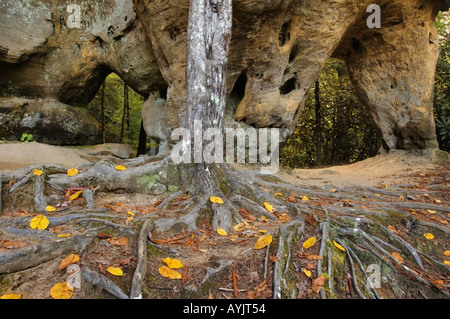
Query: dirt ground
(215,266)
(386,169)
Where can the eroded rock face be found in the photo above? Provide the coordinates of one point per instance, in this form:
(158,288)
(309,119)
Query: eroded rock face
(277,52)
(43,58)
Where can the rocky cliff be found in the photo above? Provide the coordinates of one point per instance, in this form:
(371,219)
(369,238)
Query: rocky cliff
(277,52)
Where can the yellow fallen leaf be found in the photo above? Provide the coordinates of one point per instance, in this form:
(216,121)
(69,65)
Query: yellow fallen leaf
(262,231)
(265,189)
(221,231)
(431,211)
(130,213)
(263,241)
(447,262)
(447,253)
(338,246)
(268,207)
(239,227)
(437,201)
(37,172)
(169,273)
(173,263)
(264,219)
(69,260)
(11,296)
(278,194)
(76,195)
(63,235)
(115,271)
(72,172)
(120,167)
(39,222)
(304,198)
(50,209)
(61,291)
(307,272)
(309,242)
(216,200)
(429,236)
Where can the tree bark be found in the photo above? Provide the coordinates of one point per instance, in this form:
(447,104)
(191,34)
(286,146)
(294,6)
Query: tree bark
(318,127)
(126,115)
(102,111)
(208,41)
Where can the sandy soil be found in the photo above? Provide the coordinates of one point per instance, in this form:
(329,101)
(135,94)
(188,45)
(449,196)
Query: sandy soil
(17,155)
(395,168)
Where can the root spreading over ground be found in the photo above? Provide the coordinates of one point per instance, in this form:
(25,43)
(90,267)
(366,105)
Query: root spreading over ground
(386,241)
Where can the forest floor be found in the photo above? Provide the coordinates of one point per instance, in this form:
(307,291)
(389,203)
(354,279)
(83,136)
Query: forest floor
(228,266)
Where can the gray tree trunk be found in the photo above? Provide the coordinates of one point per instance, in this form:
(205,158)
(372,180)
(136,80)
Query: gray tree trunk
(208,42)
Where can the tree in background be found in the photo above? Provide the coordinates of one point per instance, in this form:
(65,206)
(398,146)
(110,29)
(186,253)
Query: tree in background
(442,84)
(334,127)
(118,108)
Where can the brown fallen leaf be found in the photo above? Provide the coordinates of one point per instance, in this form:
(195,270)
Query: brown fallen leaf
(313,257)
(311,266)
(398,257)
(103,235)
(126,261)
(185,275)
(318,283)
(291,199)
(8,244)
(118,242)
(274,258)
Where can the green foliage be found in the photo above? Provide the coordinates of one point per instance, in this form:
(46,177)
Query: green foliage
(114,104)
(442,83)
(26,138)
(346,131)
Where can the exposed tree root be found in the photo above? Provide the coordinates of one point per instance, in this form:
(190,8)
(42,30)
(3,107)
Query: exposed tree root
(373,225)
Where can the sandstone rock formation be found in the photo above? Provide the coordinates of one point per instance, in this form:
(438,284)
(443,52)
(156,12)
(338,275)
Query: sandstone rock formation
(44,59)
(277,52)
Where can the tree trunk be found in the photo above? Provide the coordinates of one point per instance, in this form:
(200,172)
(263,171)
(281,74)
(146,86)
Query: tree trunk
(318,126)
(125,116)
(102,111)
(209,34)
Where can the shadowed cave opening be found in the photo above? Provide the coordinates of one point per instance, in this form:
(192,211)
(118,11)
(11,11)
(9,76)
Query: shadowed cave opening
(117,109)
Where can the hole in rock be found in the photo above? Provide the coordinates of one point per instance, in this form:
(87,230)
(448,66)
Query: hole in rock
(293,54)
(289,86)
(356,44)
(238,91)
(284,35)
